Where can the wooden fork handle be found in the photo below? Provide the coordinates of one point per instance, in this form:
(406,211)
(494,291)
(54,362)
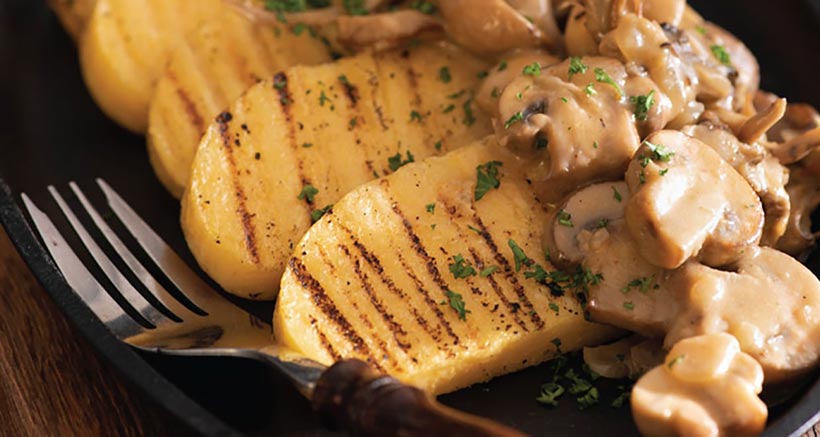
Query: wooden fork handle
(352,395)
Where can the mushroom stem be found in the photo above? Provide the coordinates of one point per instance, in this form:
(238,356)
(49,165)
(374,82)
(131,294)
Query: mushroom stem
(757,125)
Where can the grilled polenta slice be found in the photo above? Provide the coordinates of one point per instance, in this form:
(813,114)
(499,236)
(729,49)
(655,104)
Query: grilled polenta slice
(206,73)
(412,274)
(293,145)
(125,46)
(73,14)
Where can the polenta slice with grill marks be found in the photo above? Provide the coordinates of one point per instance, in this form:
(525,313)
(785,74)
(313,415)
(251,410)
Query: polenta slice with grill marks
(412,274)
(292,145)
(125,46)
(213,66)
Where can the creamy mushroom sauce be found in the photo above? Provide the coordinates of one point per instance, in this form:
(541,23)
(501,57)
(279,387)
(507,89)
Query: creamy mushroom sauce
(671,174)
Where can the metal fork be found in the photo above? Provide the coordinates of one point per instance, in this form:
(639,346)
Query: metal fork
(348,394)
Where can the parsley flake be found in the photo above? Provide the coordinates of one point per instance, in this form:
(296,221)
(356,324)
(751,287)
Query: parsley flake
(308,193)
(518,116)
(643,104)
(602,76)
(616,194)
(576,66)
(415,116)
(721,55)
(675,361)
(460,268)
(395,162)
(565,219)
(487,178)
(533,69)
(430,207)
(457,303)
(487,271)
(550,392)
(519,256)
(590,89)
(319,213)
(355,7)
(444,75)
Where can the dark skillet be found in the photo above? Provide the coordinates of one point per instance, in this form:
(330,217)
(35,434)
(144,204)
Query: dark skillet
(53,133)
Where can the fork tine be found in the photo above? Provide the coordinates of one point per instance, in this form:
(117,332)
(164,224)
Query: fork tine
(130,260)
(80,279)
(165,258)
(134,298)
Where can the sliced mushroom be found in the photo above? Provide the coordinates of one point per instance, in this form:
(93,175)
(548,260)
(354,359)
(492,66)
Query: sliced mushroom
(384,30)
(542,14)
(769,301)
(505,72)
(577,37)
(760,169)
(687,201)
(706,387)
(632,294)
(586,210)
(804,194)
(664,11)
(645,45)
(488,27)
(572,130)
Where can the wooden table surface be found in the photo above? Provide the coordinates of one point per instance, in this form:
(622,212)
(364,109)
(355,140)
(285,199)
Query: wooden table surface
(53,383)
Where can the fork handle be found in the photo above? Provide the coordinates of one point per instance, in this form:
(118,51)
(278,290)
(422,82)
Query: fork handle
(352,395)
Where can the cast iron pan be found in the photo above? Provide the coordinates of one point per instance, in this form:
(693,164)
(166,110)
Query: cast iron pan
(53,133)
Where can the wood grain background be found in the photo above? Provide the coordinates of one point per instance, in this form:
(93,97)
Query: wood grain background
(51,382)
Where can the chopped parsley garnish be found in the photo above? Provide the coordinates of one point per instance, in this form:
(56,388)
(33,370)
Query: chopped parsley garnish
(449,108)
(554,307)
(319,213)
(518,116)
(295,5)
(469,118)
(576,66)
(663,172)
(415,116)
(444,75)
(622,398)
(643,104)
(343,79)
(629,305)
(308,193)
(602,76)
(616,194)
(487,178)
(578,384)
(589,399)
(721,55)
(590,89)
(641,284)
(642,177)
(533,69)
(353,122)
(424,7)
(519,256)
(395,162)
(495,93)
(307,145)
(438,145)
(323,98)
(502,66)
(482,74)
(659,152)
(457,303)
(675,361)
(474,229)
(701,30)
(565,219)
(460,268)
(594,144)
(487,271)
(280,82)
(550,392)
(564,99)
(355,7)
(557,342)
(430,207)
(602,223)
